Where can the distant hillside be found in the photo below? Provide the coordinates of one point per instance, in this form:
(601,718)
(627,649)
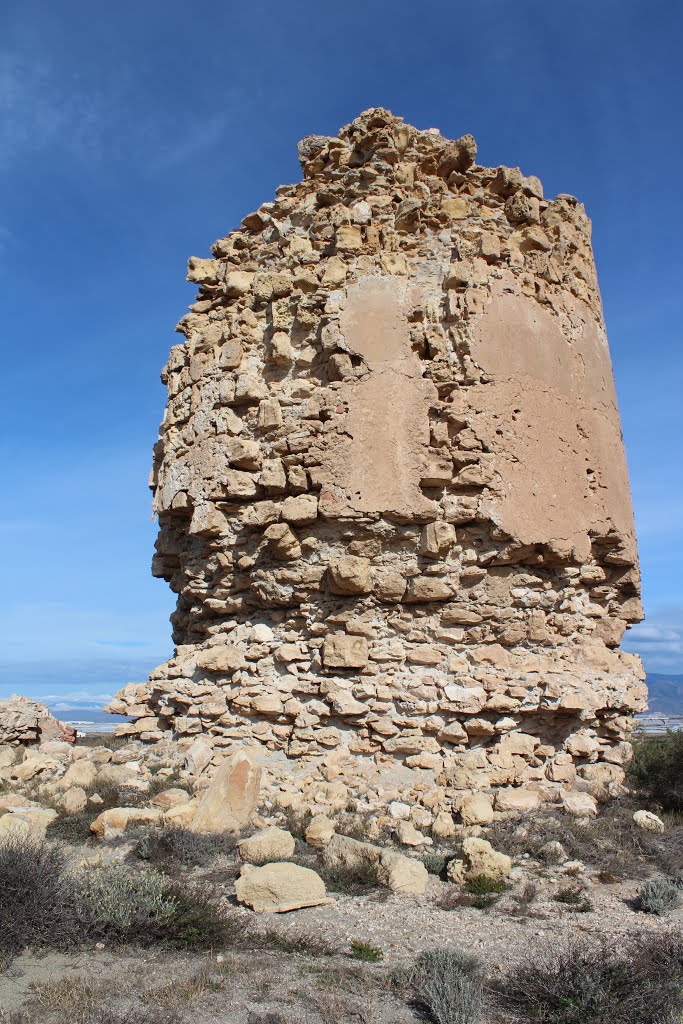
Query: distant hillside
(666,693)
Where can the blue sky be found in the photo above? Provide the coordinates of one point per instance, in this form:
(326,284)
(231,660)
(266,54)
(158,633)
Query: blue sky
(134,134)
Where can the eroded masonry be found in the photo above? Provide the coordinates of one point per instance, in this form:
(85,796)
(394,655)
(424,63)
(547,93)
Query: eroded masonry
(391,485)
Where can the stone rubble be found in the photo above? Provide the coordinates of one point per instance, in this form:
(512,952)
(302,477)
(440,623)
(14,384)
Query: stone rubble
(26,722)
(392,492)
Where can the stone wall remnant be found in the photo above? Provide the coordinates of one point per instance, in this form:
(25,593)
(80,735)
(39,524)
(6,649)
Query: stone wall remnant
(391,486)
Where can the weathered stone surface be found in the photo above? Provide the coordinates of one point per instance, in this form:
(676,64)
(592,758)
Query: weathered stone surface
(278,888)
(402,874)
(479,858)
(231,799)
(342,851)
(581,805)
(113,822)
(25,721)
(649,821)
(517,801)
(319,831)
(476,809)
(392,441)
(268,844)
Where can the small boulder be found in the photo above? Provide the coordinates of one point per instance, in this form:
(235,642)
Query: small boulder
(402,874)
(408,835)
(476,809)
(267,845)
(517,801)
(74,800)
(114,822)
(581,805)
(181,816)
(342,851)
(169,798)
(479,858)
(319,831)
(443,826)
(649,821)
(29,822)
(80,773)
(278,888)
(230,801)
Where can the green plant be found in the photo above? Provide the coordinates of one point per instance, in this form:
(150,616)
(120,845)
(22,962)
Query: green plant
(450,985)
(366,951)
(600,983)
(575,898)
(435,863)
(352,880)
(656,770)
(484,885)
(659,896)
(112,899)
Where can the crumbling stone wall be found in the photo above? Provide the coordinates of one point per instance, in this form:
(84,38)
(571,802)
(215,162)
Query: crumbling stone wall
(391,486)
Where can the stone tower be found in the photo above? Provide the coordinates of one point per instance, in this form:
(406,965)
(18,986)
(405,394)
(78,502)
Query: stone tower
(391,486)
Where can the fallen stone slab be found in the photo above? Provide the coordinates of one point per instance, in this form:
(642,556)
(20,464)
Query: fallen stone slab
(278,888)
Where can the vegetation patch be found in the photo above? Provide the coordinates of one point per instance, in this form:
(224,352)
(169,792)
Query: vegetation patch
(449,986)
(659,896)
(600,983)
(366,952)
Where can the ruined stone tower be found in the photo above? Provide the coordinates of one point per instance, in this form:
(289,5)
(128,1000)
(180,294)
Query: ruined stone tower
(391,486)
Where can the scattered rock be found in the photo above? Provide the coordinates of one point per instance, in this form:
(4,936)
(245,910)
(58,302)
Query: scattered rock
(402,874)
(649,821)
(581,805)
(278,888)
(268,844)
(231,799)
(478,858)
(319,831)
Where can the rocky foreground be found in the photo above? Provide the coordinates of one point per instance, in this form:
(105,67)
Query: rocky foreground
(329,887)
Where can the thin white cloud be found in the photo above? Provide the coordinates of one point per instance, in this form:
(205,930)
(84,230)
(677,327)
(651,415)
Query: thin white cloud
(659,641)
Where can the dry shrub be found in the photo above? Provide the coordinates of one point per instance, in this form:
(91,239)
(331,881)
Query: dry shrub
(449,984)
(600,983)
(169,846)
(612,842)
(36,896)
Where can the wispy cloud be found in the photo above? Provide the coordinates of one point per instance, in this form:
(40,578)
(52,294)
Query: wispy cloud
(659,641)
(45,108)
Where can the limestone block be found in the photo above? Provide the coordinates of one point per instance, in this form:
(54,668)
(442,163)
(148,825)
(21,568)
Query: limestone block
(301,510)
(437,539)
(476,809)
(224,658)
(349,574)
(278,888)
(268,844)
(231,799)
(74,800)
(517,801)
(479,858)
(402,874)
(113,822)
(319,831)
(342,851)
(343,651)
(649,821)
(581,805)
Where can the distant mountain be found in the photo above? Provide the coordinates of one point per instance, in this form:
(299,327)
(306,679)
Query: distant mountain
(666,693)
